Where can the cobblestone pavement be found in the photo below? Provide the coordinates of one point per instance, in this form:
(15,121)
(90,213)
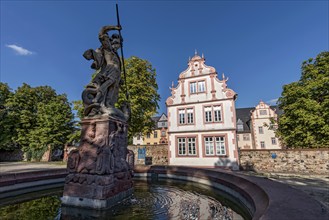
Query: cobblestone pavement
(316,186)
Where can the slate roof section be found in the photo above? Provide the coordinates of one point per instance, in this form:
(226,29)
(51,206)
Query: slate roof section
(244,115)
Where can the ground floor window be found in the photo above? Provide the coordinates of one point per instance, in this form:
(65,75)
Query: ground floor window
(186,146)
(214,146)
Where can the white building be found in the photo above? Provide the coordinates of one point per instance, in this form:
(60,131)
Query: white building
(255,129)
(262,129)
(201,119)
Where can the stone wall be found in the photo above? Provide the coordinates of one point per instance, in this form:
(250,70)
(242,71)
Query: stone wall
(155,154)
(16,155)
(302,161)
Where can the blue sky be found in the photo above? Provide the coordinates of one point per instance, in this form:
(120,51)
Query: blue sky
(259,45)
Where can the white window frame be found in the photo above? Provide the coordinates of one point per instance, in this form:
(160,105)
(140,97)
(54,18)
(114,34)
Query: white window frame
(193,87)
(260,130)
(213,114)
(186,146)
(215,146)
(186,116)
(262,145)
(273,140)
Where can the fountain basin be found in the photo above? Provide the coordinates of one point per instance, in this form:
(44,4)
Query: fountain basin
(264,199)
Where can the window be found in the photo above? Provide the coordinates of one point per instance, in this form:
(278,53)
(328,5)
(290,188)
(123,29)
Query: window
(246,137)
(201,86)
(138,137)
(213,113)
(262,144)
(197,87)
(260,130)
(148,135)
(207,111)
(163,124)
(189,115)
(217,115)
(181,146)
(240,127)
(155,134)
(186,116)
(209,144)
(181,113)
(262,112)
(273,139)
(163,133)
(193,87)
(191,146)
(155,143)
(186,146)
(220,146)
(214,146)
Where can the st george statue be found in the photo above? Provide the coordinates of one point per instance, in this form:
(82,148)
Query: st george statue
(102,93)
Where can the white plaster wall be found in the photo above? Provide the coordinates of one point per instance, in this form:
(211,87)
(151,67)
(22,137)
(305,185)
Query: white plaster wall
(242,143)
(227,116)
(201,160)
(266,137)
(138,142)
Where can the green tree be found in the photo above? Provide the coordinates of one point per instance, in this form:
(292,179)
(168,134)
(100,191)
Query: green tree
(7,124)
(43,118)
(305,103)
(143,95)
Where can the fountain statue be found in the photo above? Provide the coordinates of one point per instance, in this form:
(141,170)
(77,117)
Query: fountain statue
(101,168)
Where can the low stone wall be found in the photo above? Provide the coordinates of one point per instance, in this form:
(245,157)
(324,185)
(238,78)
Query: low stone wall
(301,161)
(8,156)
(154,154)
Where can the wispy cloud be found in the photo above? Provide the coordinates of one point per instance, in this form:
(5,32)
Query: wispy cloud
(272,101)
(20,50)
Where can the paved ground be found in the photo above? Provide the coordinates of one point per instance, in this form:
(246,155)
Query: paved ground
(315,186)
(20,167)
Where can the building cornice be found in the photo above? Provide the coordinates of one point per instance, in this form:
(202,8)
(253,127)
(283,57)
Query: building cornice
(200,102)
(201,131)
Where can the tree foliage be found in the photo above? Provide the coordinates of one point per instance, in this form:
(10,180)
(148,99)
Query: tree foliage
(6,123)
(143,95)
(39,118)
(305,103)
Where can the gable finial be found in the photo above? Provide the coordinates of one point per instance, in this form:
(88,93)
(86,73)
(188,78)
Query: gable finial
(195,52)
(202,55)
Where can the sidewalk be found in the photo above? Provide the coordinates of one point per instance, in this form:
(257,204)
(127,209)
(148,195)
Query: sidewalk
(20,167)
(316,186)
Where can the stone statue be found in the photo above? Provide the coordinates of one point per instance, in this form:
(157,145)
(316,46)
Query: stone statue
(101,169)
(101,94)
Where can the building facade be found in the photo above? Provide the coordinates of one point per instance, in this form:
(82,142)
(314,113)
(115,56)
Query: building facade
(262,128)
(255,129)
(159,134)
(201,119)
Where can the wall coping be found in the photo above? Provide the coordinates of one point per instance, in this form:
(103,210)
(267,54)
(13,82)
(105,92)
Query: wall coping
(283,150)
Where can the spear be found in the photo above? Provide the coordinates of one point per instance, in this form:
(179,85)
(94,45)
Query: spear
(123,60)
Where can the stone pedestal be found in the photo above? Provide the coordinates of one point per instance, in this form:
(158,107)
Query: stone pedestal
(100,170)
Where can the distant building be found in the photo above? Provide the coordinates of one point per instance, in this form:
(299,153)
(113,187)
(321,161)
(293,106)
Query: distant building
(243,125)
(254,127)
(201,119)
(157,136)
